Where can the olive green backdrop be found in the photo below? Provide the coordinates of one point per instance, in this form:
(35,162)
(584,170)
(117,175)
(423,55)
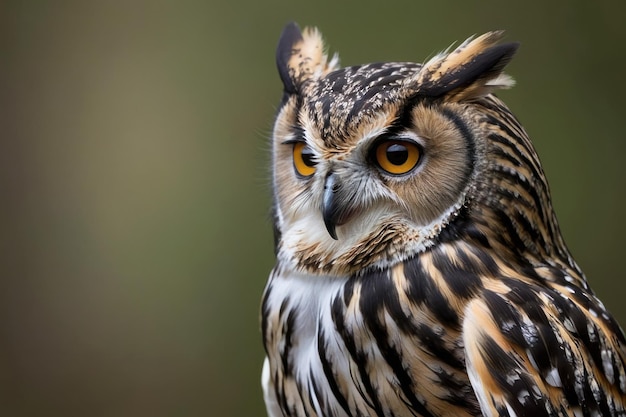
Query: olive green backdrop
(134,179)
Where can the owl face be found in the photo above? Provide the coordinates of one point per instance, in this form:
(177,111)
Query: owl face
(371,162)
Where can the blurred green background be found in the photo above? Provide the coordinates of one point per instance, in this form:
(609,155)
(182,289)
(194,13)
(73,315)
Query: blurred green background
(135,179)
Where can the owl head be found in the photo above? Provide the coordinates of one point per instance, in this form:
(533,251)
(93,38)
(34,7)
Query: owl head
(375,163)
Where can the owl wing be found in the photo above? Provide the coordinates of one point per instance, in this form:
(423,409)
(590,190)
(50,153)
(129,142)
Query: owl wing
(533,350)
(269,393)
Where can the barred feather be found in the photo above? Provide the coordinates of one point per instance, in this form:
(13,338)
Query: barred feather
(474,69)
(447,290)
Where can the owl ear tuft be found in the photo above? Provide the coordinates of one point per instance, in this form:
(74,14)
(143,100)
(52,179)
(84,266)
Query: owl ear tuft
(300,56)
(472,70)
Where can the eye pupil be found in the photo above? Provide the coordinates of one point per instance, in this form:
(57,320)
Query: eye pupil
(397,154)
(307,156)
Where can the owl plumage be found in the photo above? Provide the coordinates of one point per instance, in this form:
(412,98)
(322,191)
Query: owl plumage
(420,268)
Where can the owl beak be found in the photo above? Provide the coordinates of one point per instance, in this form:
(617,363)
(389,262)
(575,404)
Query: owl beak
(329,204)
(337,206)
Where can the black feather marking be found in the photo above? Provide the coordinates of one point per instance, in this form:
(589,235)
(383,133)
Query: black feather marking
(536,337)
(545,347)
(279,390)
(422,290)
(517,386)
(287,331)
(302,393)
(383,290)
(507,318)
(502,411)
(275,228)
(433,342)
(463,227)
(463,279)
(487,64)
(513,145)
(326,113)
(459,393)
(265,308)
(358,356)
(535,237)
(467,134)
(290,36)
(527,186)
(509,144)
(511,232)
(373,86)
(327,363)
(500,153)
(489,265)
(584,329)
(376,288)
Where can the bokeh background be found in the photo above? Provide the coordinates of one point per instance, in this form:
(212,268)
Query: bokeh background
(135,240)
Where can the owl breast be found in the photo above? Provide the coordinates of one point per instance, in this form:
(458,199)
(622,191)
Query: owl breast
(349,346)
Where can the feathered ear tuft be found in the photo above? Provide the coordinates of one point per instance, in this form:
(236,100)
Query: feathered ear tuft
(300,56)
(472,70)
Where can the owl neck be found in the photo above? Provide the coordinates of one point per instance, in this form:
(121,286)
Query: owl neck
(509,206)
(515,242)
(493,237)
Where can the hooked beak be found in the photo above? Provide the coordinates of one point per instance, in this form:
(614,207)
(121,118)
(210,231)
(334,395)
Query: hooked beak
(336,207)
(329,205)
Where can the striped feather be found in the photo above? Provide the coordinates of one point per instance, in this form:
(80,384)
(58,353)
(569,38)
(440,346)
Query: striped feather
(474,69)
(450,291)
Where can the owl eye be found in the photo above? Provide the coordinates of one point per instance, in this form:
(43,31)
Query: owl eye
(303,159)
(397,157)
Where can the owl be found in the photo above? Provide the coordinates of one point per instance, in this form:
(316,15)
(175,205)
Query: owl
(420,270)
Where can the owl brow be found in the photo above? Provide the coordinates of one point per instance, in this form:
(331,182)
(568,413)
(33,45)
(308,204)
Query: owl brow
(298,136)
(292,141)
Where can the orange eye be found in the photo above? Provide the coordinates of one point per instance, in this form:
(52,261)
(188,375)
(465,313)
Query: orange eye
(397,156)
(303,160)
